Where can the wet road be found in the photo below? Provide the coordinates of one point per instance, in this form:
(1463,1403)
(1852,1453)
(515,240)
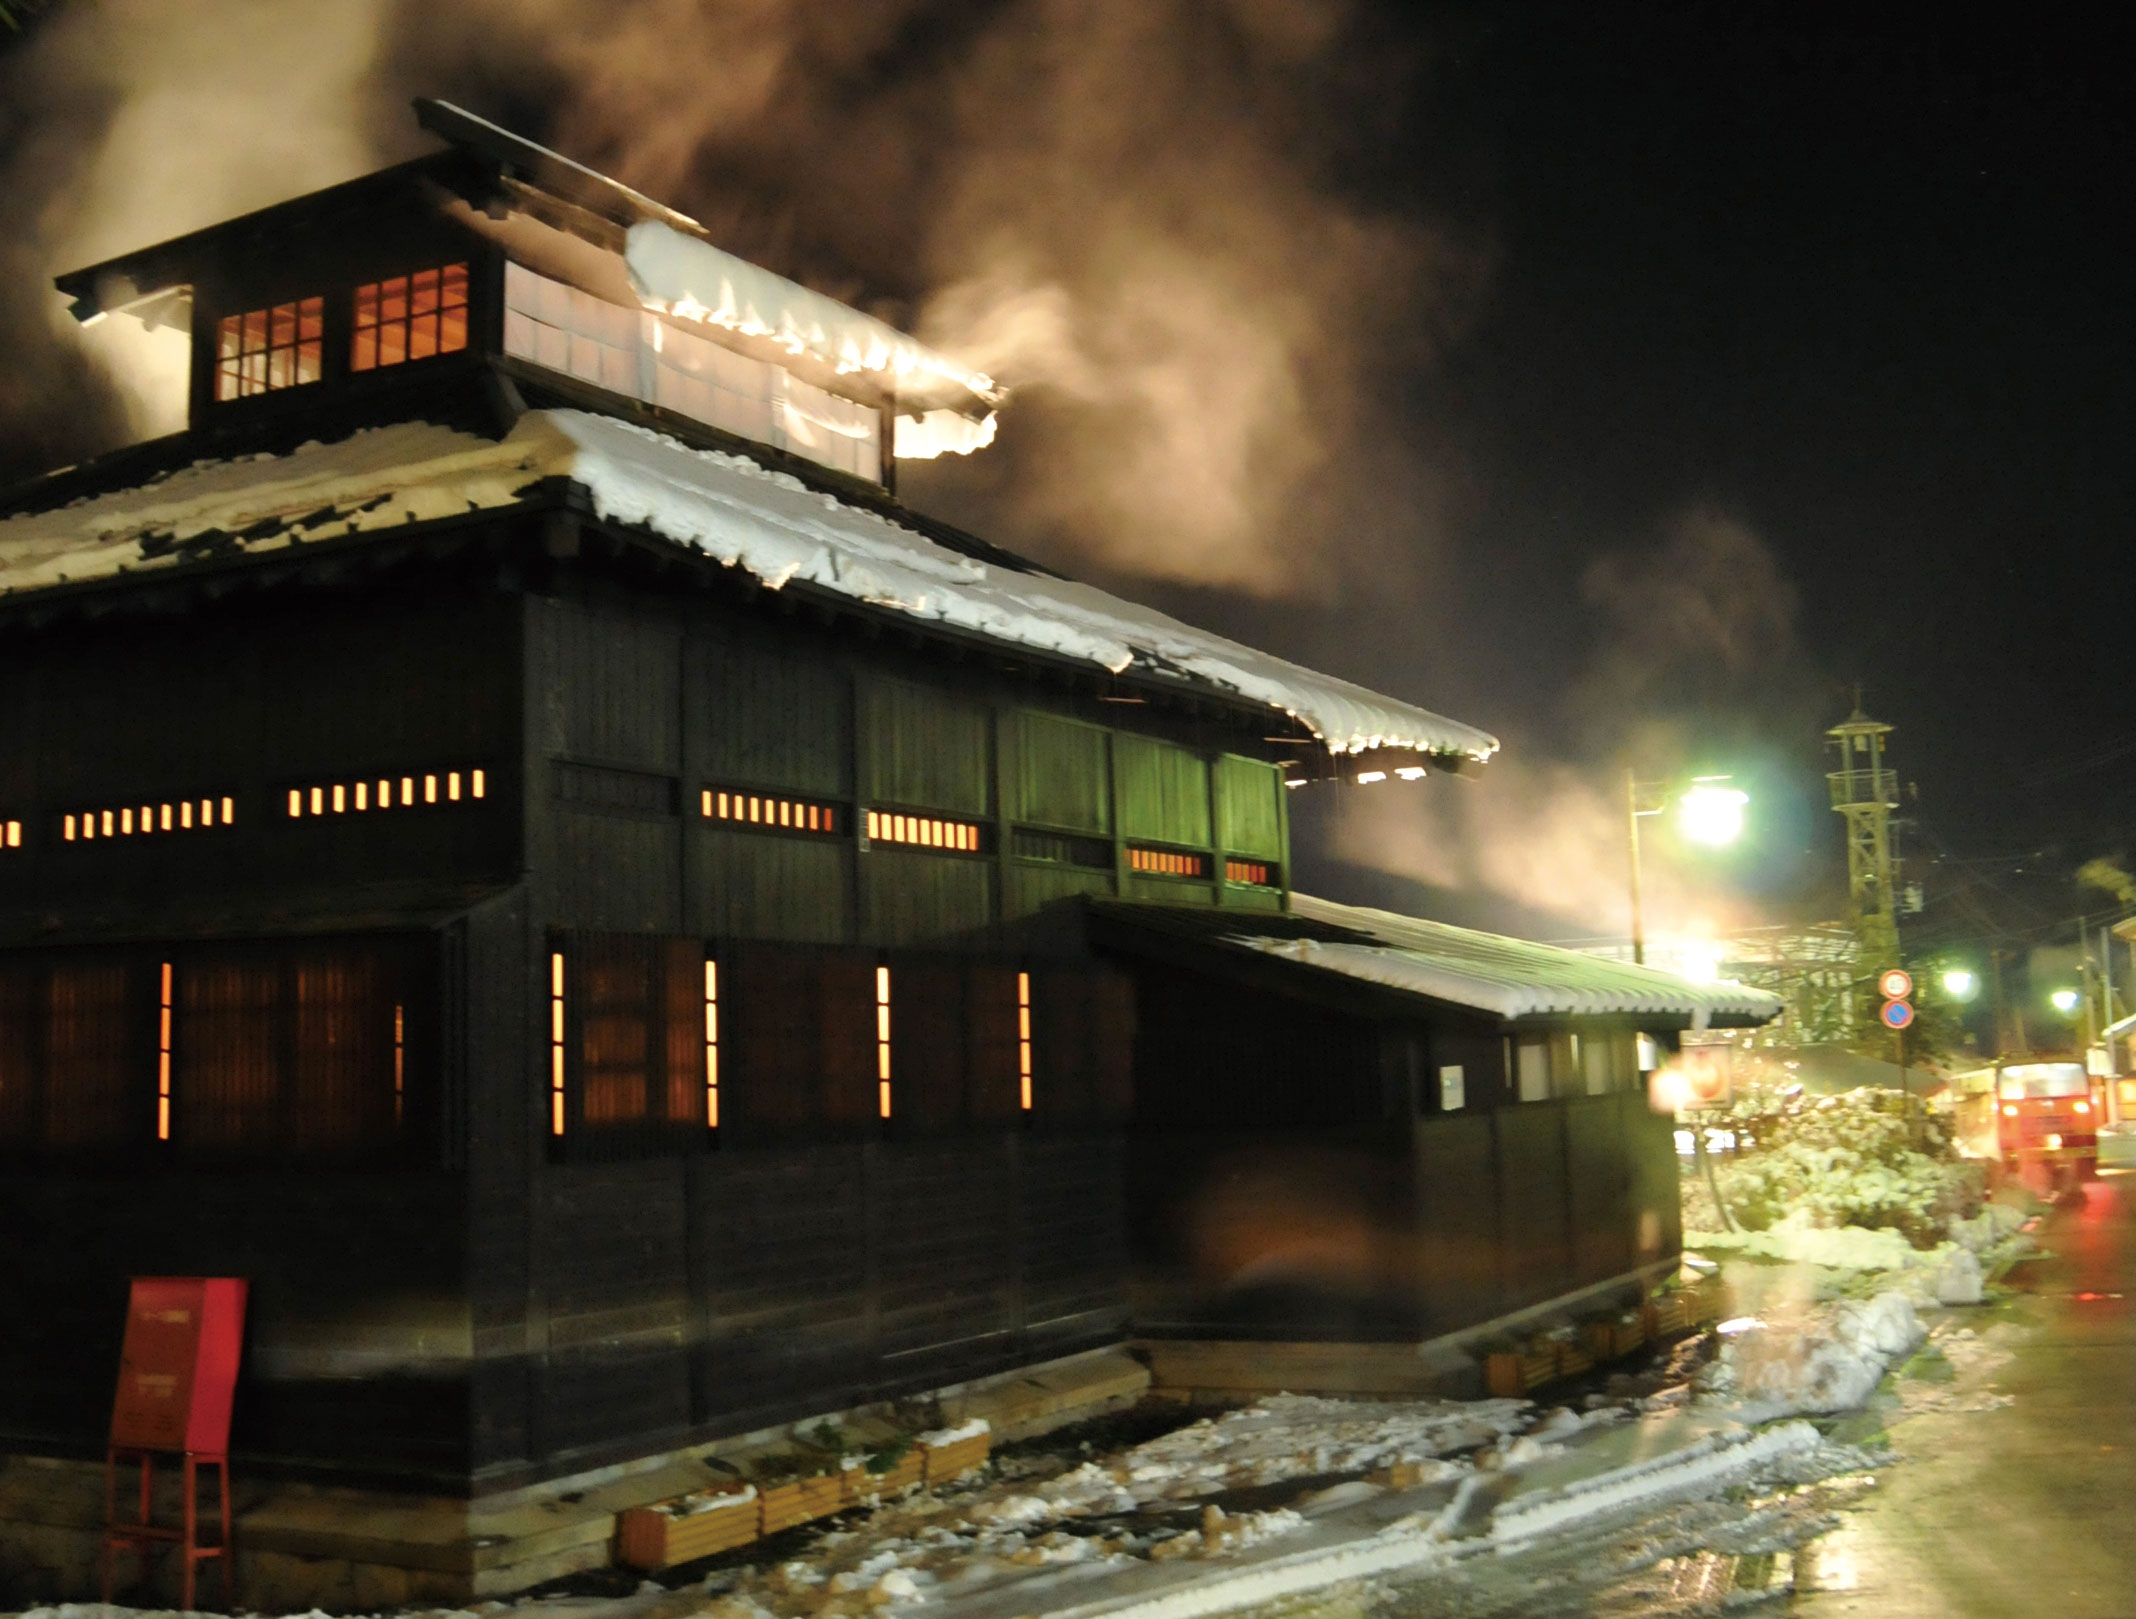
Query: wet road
(2028,1508)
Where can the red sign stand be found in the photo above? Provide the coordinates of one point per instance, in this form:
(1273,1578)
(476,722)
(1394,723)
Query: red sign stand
(177,1373)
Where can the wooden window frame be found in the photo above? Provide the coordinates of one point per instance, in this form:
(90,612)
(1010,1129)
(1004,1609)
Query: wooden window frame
(929,831)
(269,350)
(777,814)
(1158,860)
(372,319)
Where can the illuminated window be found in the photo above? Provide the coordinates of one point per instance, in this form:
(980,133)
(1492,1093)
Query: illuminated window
(767,812)
(923,831)
(410,317)
(1257,873)
(712,1045)
(882,1041)
(130,820)
(268,349)
(163,1060)
(13,835)
(400,1061)
(1023,1038)
(358,797)
(1167,862)
(556,1043)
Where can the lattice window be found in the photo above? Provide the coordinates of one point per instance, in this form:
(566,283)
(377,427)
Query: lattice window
(267,349)
(410,317)
(1167,862)
(143,820)
(11,835)
(1023,1038)
(429,787)
(882,1041)
(925,831)
(1255,873)
(766,812)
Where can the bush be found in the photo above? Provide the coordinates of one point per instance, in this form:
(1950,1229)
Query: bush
(1850,1159)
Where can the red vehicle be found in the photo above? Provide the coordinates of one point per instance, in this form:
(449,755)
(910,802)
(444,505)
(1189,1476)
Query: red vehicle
(2040,1120)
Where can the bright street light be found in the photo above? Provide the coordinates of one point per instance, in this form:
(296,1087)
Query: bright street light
(2064,1001)
(1960,984)
(1711,814)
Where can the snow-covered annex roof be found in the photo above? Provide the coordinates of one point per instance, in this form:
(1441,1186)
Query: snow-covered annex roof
(727,507)
(1513,978)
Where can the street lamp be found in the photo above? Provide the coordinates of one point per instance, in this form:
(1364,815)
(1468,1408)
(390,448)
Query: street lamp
(1708,811)
(1960,983)
(2064,1001)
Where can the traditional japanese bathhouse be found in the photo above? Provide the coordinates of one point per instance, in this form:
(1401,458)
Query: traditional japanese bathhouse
(1475,1139)
(513,839)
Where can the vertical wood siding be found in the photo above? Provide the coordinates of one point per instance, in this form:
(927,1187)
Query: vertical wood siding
(925,749)
(1163,791)
(1058,772)
(1247,796)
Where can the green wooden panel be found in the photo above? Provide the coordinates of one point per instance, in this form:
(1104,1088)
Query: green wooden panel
(1033,887)
(1058,773)
(1239,898)
(924,749)
(758,886)
(614,686)
(1457,1188)
(1252,819)
(615,872)
(1170,890)
(1164,792)
(771,719)
(908,896)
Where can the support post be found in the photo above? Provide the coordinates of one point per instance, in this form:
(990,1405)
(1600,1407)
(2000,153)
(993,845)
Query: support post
(1631,830)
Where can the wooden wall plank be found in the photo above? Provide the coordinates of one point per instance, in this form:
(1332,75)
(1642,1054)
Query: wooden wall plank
(1059,772)
(1164,791)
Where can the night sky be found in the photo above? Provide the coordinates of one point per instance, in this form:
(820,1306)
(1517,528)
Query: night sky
(1774,357)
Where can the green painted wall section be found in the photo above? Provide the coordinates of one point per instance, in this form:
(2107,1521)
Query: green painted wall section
(768,721)
(925,750)
(1247,794)
(1163,790)
(1056,773)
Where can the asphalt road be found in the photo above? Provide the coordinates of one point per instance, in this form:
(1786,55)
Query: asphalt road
(2027,1508)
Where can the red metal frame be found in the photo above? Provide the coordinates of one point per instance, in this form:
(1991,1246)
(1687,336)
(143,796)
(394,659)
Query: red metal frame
(144,1533)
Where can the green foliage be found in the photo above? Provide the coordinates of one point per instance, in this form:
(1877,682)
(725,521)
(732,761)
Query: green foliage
(2111,876)
(1854,1159)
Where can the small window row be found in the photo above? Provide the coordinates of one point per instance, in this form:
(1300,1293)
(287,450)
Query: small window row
(387,792)
(768,811)
(925,831)
(130,820)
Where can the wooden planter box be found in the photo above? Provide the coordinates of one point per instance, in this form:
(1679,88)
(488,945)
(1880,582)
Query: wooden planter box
(941,1463)
(1610,1340)
(1573,1358)
(858,1485)
(799,1500)
(689,1527)
(1510,1373)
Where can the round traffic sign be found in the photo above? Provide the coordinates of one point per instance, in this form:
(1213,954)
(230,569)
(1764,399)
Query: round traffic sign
(1896,1014)
(1895,985)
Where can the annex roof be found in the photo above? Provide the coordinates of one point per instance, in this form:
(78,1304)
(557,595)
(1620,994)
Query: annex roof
(726,507)
(1486,972)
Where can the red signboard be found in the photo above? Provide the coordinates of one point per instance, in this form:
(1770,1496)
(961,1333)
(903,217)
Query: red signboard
(179,1364)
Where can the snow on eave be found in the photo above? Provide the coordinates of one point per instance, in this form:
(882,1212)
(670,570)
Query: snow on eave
(727,507)
(1512,978)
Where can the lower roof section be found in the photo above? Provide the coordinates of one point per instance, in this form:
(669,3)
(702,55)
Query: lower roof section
(1412,960)
(726,507)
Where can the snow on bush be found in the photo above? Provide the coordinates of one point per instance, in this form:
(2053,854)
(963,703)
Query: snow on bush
(1848,1160)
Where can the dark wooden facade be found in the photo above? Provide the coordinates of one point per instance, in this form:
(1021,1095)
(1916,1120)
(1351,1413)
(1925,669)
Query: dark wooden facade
(1355,1205)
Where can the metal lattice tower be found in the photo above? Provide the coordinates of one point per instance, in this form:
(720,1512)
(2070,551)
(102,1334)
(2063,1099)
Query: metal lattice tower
(1865,793)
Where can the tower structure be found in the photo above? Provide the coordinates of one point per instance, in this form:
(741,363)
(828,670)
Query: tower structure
(1865,792)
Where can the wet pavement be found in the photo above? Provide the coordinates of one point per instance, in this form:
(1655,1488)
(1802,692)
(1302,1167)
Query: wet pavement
(2022,1508)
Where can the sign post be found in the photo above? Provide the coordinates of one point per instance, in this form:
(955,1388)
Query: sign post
(177,1376)
(1896,985)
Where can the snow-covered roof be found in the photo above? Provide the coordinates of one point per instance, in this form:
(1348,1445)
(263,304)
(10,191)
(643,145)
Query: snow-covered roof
(1511,977)
(728,507)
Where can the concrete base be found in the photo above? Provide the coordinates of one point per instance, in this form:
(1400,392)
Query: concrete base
(1215,1371)
(301,1546)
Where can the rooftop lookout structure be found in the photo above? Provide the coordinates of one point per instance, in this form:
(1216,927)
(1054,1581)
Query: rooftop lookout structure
(515,840)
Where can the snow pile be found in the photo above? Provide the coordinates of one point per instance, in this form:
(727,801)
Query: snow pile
(1709,1464)
(1798,1239)
(1828,1358)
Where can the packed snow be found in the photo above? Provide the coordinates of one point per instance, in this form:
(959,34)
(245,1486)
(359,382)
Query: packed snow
(727,507)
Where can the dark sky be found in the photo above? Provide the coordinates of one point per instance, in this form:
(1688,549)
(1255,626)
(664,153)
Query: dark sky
(1865,287)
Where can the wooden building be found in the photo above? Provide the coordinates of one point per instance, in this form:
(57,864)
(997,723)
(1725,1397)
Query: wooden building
(513,839)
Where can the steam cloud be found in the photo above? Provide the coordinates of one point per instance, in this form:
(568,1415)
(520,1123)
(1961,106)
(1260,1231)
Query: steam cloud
(1691,632)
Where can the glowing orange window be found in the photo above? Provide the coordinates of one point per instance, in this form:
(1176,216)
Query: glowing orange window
(410,317)
(271,348)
